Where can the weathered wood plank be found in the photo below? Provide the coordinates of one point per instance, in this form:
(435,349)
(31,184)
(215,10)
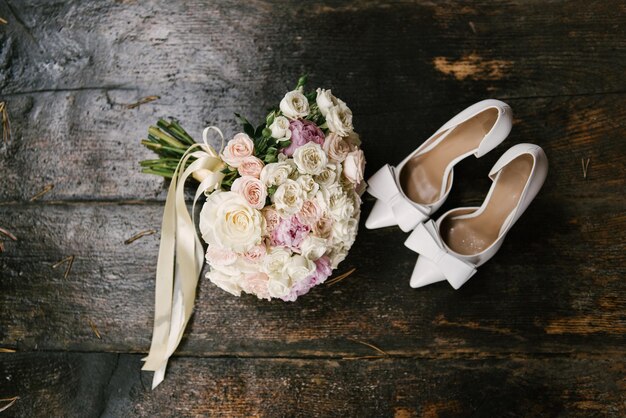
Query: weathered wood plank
(51,384)
(55,384)
(225,48)
(90,150)
(556,286)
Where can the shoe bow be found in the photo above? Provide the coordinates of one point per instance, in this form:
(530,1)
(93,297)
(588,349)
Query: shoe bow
(425,241)
(383,186)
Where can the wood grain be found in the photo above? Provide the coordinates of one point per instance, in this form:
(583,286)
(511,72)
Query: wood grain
(555,286)
(313,388)
(539,331)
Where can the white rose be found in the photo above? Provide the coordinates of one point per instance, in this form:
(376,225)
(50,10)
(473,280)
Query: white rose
(274,262)
(344,231)
(313,247)
(354,166)
(308,185)
(278,287)
(228,221)
(294,105)
(325,100)
(241,265)
(288,198)
(280,128)
(339,119)
(310,158)
(275,174)
(328,175)
(337,256)
(341,206)
(299,268)
(231,284)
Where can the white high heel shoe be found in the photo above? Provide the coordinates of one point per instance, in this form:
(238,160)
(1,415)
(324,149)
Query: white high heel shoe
(465,238)
(419,185)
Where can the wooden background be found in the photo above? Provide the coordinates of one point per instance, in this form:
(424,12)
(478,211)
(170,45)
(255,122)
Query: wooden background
(540,331)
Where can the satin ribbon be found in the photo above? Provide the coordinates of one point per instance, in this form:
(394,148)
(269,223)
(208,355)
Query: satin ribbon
(383,186)
(425,241)
(181,255)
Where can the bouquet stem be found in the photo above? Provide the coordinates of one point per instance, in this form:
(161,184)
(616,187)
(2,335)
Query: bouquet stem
(170,142)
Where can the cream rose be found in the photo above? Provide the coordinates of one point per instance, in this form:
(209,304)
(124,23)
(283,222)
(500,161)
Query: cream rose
(275,174)
(280,128)
(231,284)
(313,247)
(294,105)
(250,166)
(238,148)
(339,119)
(325,100)
(288,198)
(336,147)
(341,207)
(299,268)
(309,186)
(228,221)
(328,175)
(354,166)
(252,189)
(279,286)
(310,158)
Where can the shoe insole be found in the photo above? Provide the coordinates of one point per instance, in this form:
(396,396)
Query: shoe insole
(469,236)
(421,177)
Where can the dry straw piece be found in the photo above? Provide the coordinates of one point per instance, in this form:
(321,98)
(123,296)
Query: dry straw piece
(585,166)
(6,123)
(139,235)
(45,190)
(340,277)
(8,234)
(4,22)
(10,401)
(382,353)
(69,260)
(142,101)
(94,329)
(6,350)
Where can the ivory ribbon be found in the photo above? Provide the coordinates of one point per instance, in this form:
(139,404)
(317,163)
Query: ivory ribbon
(181,255)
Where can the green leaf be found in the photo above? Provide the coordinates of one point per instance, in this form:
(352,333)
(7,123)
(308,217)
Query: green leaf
(284,144)
(302,81)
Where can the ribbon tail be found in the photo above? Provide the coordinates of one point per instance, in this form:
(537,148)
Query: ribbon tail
(181,257)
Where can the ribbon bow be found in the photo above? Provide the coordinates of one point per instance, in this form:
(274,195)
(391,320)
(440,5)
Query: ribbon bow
(425,241)
(181,255)
(383,186)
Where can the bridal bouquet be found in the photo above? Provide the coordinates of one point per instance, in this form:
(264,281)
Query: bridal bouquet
(281,212)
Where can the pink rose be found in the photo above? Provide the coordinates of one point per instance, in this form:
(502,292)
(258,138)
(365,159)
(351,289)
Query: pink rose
(250,166)
(310,212)
(272,219)
(256,284)
(256,254)
(336,147)
(252,189)
(354,166)
(302,132)
(238,148)
(290,233)
(217,256)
